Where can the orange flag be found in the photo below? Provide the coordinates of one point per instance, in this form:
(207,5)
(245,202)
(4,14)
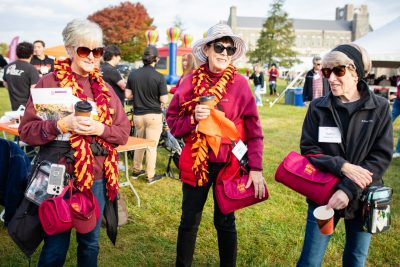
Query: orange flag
(217,126)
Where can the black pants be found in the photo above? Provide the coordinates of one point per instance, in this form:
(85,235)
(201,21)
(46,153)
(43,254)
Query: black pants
(272,88)
(193,202)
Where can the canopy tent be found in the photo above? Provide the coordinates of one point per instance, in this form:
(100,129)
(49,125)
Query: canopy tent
(383,45)
(56,51)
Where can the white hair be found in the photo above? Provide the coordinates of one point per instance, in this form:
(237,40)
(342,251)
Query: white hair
(316,58)
(80,31)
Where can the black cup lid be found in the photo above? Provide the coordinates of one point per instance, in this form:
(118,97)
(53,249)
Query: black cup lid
(83,106)
(206,98)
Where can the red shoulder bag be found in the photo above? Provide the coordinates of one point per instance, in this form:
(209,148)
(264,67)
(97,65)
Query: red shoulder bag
(297,173)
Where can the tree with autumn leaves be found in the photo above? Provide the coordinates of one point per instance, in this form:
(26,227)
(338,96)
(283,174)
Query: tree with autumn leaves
(124,25)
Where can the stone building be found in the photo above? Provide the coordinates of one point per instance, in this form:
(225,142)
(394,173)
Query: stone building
(312,36)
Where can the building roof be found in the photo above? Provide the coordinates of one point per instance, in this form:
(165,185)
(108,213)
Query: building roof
(250,22)
(327,25)
(299,24)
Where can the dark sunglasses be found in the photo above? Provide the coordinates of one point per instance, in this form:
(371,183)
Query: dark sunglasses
(83,51)
(339,71)
(219,48)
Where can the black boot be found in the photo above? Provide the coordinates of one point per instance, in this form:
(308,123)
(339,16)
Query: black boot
(227,244)
(185,247)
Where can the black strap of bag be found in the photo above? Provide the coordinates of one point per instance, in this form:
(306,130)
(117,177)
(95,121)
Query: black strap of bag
(25,228)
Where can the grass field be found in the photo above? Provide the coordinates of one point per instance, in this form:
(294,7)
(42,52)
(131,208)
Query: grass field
(269,234)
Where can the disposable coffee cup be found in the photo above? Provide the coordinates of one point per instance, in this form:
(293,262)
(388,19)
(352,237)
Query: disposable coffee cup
(83,108)
(207,100)
(324,218)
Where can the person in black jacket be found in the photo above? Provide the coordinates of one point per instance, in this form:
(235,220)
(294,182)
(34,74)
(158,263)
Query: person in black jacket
(258,79)
(3,62)
(112,56)
(351,127)
(14,169)
(39,60)
(315,85)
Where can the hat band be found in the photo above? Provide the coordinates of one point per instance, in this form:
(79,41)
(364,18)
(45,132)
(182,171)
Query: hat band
(354,55)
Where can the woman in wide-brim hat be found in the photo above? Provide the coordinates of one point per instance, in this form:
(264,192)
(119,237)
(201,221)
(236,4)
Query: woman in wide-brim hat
(199,165)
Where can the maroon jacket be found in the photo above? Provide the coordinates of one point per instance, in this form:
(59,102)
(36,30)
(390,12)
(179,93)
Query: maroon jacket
(35,131)
(398,87)
(238,105)
(273,74)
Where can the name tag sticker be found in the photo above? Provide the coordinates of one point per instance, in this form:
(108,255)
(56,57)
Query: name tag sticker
(329,135)
(44,69)
(239,150)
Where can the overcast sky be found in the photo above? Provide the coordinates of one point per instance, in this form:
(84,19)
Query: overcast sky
(45,19)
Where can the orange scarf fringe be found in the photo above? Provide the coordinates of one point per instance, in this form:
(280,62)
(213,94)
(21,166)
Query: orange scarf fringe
(200,147)
(84,159)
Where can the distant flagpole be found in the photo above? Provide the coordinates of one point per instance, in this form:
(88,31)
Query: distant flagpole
(12,55)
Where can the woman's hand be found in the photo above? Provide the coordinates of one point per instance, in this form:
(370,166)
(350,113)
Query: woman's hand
(87,126)
(360,176)
(338,201)
(257,179)
(68,123)
(201,112)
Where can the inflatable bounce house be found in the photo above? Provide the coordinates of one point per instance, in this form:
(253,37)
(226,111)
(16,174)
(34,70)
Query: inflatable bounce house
(170,63)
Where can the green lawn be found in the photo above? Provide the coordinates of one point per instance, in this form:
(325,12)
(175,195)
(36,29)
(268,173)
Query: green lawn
(269,234)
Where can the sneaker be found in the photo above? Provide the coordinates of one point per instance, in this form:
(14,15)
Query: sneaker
(137,174)
(396,155)
(2,215)
(155,178)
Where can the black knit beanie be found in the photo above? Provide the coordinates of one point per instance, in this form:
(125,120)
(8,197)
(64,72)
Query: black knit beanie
(354,55)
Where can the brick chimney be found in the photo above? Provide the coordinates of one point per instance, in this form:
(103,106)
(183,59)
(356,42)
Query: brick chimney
(232,20)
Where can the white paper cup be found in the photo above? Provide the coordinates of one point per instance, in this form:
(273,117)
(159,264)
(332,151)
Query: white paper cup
(324,218)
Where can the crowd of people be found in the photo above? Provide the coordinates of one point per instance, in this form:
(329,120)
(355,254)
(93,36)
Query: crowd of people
(357,147)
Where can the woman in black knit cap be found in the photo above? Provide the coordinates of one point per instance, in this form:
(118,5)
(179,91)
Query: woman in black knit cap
(358,149)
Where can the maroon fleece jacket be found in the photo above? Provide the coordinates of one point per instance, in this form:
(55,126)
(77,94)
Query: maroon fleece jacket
(35,131)
(238,104)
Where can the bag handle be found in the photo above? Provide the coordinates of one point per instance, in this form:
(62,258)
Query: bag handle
(233,175)
(66,188)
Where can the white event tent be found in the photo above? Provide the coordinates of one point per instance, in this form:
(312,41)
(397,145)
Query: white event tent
(383,45)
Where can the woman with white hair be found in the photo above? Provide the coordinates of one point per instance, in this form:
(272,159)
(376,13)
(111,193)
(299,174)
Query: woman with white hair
(200,166)
(350,129)
(85,146)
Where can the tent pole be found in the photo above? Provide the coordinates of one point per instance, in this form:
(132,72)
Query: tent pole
(290,85)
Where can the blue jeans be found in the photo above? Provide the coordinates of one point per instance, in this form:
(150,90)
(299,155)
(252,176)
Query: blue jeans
(55,247)
(395,114)
(355,250)
(257,92)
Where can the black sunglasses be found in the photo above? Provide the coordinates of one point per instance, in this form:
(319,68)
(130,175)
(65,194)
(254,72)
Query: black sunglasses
(83,51)
(219,48)
(339,71)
